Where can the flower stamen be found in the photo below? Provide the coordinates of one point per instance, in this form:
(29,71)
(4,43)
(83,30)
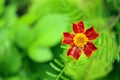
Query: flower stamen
(80,40)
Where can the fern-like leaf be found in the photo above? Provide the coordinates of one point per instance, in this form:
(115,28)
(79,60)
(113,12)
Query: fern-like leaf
(107,48)
(59,68)
(71,11)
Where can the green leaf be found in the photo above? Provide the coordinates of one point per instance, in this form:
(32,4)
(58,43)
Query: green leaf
(118,25)
(28,19)
(49,30)
(50,6)
(40,55)
(10,59)
(87,69)
(24,36)
(13,78)
(107,49)
(1,78)
(94,72)
(1,6)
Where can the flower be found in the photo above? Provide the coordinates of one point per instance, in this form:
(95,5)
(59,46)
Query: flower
(80,41)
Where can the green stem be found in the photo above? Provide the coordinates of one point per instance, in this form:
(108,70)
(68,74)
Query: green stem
(60,74)
(114,20)
(116,5)
(62,71)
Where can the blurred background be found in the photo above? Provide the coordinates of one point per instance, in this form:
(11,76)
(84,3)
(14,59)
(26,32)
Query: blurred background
(31,35)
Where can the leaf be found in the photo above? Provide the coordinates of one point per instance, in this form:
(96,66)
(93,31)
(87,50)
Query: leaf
(55,67)
(10,59)
(21,75)
(76,69)
(58,69)
(49,30)
(24,36)
(28,19)
(87,69)
(118,26)
(13,78)
(95,73)
(50,6)
(14,63)
(1,78)
(40,55)
(107,49)
(95,10)
(1,6)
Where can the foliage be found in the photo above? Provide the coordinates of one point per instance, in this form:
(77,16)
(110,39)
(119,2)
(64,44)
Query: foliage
(31,35)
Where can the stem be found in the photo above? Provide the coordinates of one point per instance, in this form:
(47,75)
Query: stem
(62,71)
(114,20)
(116,5)
(58,77)
(111,23)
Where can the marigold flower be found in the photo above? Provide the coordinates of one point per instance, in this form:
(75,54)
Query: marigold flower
(80,41)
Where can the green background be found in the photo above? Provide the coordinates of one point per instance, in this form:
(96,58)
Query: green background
(31,36)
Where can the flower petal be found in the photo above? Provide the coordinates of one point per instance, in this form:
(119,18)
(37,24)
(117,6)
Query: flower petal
(78,28)
(91,46)
(87,51)
(91,33)
(68,38)
(74,51)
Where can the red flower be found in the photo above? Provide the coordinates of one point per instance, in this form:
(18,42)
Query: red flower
(81,40)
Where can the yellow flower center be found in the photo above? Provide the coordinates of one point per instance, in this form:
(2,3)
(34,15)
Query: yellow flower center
(80,40)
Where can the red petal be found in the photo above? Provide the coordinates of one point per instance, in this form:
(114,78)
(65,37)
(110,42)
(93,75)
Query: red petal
(87,51)
(78,28)
(75,52)
(91,46)
(91,33)
(68,38)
